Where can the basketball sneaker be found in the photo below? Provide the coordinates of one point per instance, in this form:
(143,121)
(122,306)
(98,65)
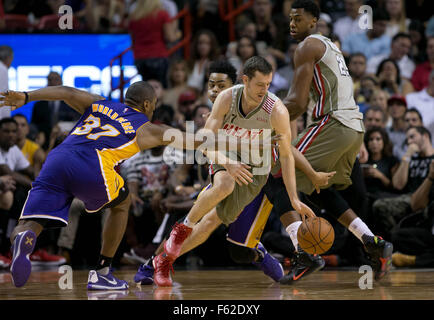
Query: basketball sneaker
(162,267)
(269,264)
(22,247)
(145,274)
(97,281)
(179,233)
(379,252)
(5,262)
(302,264)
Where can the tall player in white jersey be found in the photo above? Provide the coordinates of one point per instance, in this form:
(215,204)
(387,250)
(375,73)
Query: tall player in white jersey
(332,142)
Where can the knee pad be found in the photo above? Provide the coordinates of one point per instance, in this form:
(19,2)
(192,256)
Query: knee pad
(241,254)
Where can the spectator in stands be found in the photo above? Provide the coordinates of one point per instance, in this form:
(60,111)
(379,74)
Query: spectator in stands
(245,27)
(348,24)
(368,84)
(278,82)
(205,48)
(371,42)
(287,71)
(389,76)
(186,104)
(423,101)
(6,58)
(413,240)
(379,99)
(416,30)
(399,50)
(398,19)
(46,114)
(324,27)
(149,48)
(396,105)
(420,76)
(105,16)
(411,172)
(246,48)
(7,187)
(12,160)
(32,151)
(357,69)
(381,165)
(413,118)
(177,80)
(374,118)
(262,16)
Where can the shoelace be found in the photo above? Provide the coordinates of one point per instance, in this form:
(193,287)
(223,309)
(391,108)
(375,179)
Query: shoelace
(166,266)
(181,232)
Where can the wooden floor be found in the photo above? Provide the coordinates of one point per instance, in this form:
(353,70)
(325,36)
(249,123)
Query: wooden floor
(404,284)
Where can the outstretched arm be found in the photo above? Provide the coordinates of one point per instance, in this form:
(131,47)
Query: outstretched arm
(305,58)
(279,121)
(78,100)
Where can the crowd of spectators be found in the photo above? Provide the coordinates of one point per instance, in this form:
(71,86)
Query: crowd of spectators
(392,66)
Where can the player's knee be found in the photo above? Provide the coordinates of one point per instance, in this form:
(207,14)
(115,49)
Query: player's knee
(224,187)
(240,254)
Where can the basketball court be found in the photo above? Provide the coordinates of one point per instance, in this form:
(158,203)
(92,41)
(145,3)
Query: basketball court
(328,284)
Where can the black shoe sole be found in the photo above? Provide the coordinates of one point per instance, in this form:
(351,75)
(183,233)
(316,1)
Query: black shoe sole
(287,280)
(386,262)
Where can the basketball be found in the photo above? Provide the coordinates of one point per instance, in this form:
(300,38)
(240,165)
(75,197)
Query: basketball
(315,235)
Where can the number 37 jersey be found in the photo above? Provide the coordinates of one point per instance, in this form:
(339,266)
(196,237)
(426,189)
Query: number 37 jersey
(107,126)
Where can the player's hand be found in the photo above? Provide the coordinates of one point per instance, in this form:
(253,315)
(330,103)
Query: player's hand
(240,172)
(302,209)
(321,179)
(14,99)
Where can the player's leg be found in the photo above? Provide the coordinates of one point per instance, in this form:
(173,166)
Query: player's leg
(113,231)
(222,186)
(244,235)
(200,233)
(44,208)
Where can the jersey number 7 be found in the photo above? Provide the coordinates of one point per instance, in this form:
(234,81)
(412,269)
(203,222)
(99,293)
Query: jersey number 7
(92,123)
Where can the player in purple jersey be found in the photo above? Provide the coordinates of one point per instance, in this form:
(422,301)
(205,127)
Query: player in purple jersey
(83,166)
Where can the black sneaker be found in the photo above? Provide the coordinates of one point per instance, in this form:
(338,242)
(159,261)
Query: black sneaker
(379,252)
(302,265)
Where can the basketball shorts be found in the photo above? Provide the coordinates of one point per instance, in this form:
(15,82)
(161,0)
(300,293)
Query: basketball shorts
(328,145)
(67,174)
(230,208)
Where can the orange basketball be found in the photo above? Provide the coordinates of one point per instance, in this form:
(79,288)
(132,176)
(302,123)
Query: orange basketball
(315,235)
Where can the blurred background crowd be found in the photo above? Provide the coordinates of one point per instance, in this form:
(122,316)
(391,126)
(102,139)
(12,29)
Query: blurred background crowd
(391,65)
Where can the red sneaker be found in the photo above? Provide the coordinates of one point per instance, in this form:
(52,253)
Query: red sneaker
(162,267)
(179,233)
(5,262)
(42,257)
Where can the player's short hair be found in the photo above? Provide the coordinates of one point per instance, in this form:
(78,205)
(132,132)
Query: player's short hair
(7,120)
(139,92)
(308,6)
(256,63)
(224,67)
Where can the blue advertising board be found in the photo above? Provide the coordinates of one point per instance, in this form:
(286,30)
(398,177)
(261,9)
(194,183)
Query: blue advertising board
(81,59)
